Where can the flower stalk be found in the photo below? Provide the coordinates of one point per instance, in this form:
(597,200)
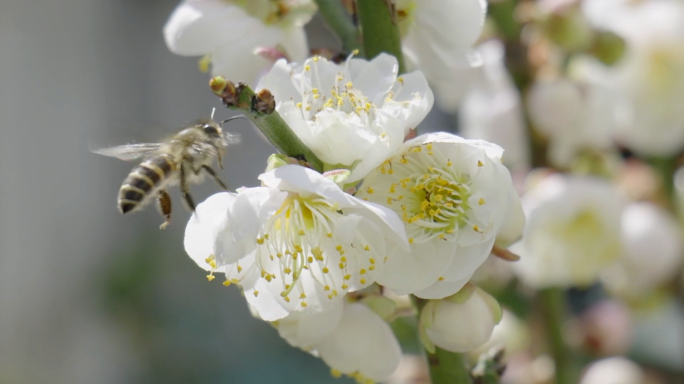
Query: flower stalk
(260,110)
(380,29)
(554,310)
(337,18)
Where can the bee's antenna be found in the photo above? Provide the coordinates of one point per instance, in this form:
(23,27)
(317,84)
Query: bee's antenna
(232,118)
(212,113)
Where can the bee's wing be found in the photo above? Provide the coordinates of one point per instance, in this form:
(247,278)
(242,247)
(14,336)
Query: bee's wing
(129,151)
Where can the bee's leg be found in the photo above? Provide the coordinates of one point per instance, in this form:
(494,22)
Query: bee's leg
(164,206)
(185,190)
(215,176)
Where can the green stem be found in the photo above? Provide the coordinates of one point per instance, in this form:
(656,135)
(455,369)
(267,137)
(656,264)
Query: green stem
(667,168)
(260,110)
(448,368)
(445,367)
(337,18)
(380,29)
(554,310)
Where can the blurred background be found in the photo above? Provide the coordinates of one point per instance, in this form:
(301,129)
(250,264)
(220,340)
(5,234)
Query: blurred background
(90,296)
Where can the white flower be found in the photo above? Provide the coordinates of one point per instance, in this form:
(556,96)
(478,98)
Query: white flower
(572,231)
(652,250)
(492,110)
(511,333)
(362,346)
(613,370)
(648,80)
(461,322)
(298,244)
(232,31)
(352,115)
(574,116)
(454,196)
(437,36)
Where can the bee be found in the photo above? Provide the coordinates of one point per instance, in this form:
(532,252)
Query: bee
(183,158)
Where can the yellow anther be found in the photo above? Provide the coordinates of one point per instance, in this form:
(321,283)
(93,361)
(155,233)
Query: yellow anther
(316,58)
(299,105)
(298,248)
(303,304)
(330,296)
(344,286)
(266,236)
(279,255)
(390,171)
(334,292)
(239,268)
(410,240)
(325,270)
(362,281)
(441,278)
(476,228)
(349,85)
(347,277)
(307,68)
(287,271)
(370,190)
(226,283)
(401,80)
(403,160)
(212,264)
(429,146)
(480,164)
(389,201)
(481,201)
(209,259)
(449,163)
(371,260)
(326,288)
(338,247)
(302,296)
(210,277)
(372,267)
(367,248)
(287,299)
(260,240)
(341,265)
(314,91)
(343,259)
(329,235)
(355,52)
(310,259)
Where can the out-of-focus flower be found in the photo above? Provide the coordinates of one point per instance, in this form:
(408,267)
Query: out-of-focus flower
(659,336)
(232,32)
(606,328)
(301,242)
(461,322)
(649,80)
(492,111)
(454,196)
(413,369)
(572,231)
(352,115)
(573,116)
(652,251)
(437,36)
(613,370)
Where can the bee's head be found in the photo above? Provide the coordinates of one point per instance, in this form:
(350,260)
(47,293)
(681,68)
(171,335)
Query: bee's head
(212,129)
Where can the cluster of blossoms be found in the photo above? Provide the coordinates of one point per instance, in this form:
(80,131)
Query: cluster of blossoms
(316,253)
(328,252)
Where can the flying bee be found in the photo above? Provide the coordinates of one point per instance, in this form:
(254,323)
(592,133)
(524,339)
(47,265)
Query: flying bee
(183,158)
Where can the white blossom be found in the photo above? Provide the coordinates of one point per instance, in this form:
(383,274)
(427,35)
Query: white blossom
(454,196)
(297,244)
(232,31)
(352,115)
(492,110)
(437,36)
(649,80)
(652,250)
(575,116)
(461,322)
(572,231)
(613,370)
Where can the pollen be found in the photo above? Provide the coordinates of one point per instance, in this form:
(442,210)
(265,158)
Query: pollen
(226,283)
(362,281)
(370,190)
(347,277)
(307,68)
(310,259)
(260,241)
(481,201)
(410,240)
(256,293)
(326,288)
(303,304)
(441,278)
(301,232)
(239,268)
(366,248)
(362,272)
(480,164)
(287,299)
(302,296)
(316,58)
(210,277)
(325,270)
(344,286)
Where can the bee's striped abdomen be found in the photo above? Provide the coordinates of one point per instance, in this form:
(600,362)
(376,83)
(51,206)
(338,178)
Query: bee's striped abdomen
(144,179)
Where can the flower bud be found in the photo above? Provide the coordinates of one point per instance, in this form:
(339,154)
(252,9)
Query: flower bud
(613,370)
(463,321)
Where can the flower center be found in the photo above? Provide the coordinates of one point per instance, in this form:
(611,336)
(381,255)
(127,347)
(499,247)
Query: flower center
(339,95)
(427,192)
(303,238)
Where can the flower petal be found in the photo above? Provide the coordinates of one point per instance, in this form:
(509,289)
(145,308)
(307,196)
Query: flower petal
(199,232)
(442,289)
(408,272)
